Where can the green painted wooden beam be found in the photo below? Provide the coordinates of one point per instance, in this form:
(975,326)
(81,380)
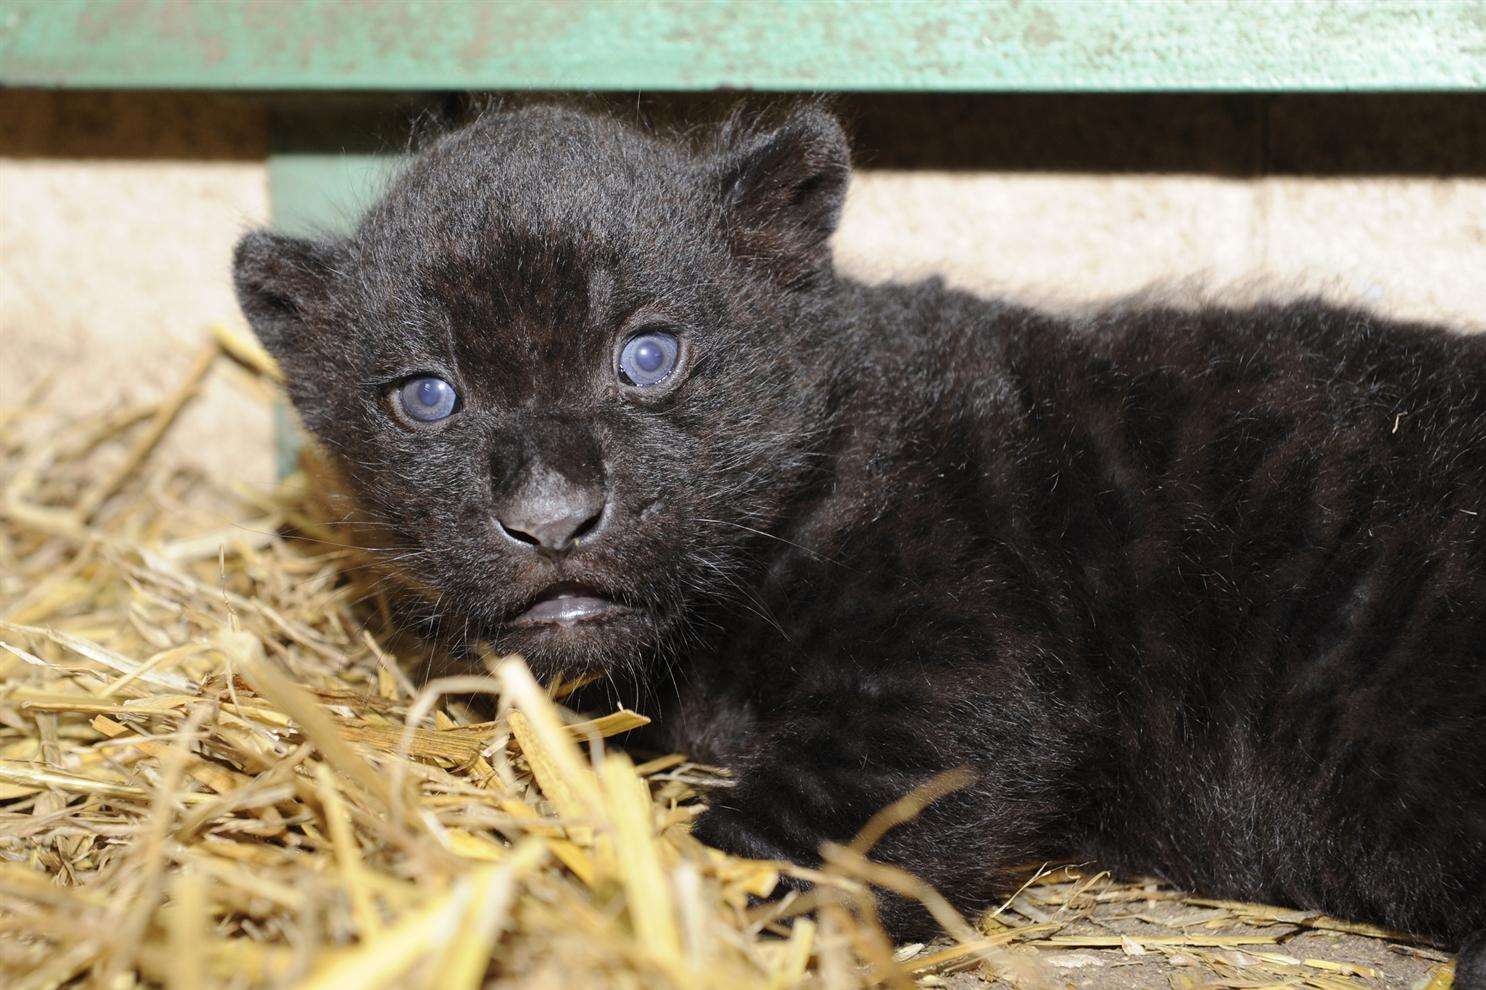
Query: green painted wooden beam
(317,193)
(1026,45)
(331,155)
(326,165)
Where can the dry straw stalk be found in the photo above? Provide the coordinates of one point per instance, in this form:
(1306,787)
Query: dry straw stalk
(218,767)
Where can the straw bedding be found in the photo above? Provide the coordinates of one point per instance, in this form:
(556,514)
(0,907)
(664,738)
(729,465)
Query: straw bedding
(220,765)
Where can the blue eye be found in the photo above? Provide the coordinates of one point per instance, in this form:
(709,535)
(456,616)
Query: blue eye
(647,358)
(426,399)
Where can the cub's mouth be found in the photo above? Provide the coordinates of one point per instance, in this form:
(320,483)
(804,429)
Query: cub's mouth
(569,603)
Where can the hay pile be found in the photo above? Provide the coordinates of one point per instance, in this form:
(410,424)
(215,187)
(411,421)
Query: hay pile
(215,770)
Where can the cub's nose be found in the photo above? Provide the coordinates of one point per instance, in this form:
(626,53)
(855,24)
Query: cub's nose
(548,483)
(553,520)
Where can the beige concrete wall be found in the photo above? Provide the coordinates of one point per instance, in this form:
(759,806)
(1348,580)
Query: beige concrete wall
(117,220)
(1409,246)
(118,213)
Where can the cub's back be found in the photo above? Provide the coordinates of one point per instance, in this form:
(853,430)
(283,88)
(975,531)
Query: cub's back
(1276,521)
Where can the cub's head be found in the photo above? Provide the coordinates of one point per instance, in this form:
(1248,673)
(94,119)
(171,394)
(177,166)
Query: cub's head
(571,371)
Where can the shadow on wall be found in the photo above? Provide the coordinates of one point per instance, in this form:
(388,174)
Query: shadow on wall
(1230,135)
(1235,135)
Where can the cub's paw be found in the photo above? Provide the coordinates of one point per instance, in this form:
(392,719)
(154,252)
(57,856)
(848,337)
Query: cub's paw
(740,834)
(731,832)
(734,832)
(1470,963)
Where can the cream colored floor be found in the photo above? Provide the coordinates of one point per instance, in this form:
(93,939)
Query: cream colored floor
(116,232)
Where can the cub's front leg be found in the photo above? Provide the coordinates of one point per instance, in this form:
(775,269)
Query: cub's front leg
(819,767)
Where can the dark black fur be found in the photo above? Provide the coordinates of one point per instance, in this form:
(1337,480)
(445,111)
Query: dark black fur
(1194,592)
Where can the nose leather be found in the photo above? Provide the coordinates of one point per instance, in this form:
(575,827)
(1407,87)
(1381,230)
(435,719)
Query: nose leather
(552,513)
(549,486)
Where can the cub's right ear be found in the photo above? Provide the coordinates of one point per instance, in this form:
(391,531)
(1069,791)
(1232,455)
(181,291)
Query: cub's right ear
(783,191)
(280,282)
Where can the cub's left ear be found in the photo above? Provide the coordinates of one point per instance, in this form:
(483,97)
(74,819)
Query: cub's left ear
(782,194)
(282,283)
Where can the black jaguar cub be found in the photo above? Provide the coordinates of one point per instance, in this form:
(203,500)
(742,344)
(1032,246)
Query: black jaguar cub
(1195,592)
